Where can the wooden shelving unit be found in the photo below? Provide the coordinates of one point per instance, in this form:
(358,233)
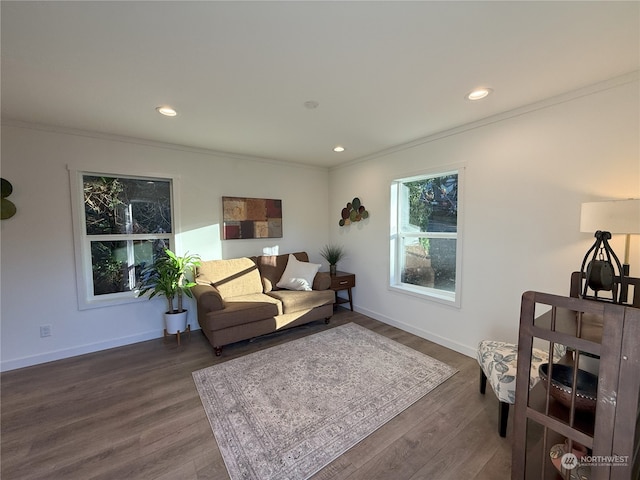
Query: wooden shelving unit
(609,331)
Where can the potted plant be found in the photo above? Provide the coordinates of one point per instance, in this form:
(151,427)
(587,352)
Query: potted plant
(332,254)
(167,276)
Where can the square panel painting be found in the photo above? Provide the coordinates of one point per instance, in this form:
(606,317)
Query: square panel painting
(251,218)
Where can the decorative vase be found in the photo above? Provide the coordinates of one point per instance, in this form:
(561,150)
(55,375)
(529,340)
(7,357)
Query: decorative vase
(332,269)
(175,322)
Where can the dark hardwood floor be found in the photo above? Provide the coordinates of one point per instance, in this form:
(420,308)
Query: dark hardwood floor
(133,413)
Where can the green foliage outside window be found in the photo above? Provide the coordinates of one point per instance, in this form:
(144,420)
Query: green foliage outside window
(433,207)
(116,205)
(119,213)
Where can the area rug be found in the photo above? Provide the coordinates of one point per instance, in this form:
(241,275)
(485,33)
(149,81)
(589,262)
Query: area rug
(286,412)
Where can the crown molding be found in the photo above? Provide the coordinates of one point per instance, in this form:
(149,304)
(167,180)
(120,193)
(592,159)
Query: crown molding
(546,103)
(500,117)
(153,143)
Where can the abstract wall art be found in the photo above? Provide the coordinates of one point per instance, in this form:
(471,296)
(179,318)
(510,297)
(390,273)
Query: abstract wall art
(251,218)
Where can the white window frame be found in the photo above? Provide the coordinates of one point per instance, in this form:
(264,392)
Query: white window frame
(82,241)
(397,233)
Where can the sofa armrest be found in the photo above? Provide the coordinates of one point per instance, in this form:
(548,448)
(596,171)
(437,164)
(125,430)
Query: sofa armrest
(208,297)
(322,281)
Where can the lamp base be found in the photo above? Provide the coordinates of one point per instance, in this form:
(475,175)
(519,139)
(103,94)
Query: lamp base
(600,274)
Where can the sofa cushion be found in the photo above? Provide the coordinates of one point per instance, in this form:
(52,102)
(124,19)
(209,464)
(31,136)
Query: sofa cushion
(298,275)
(232,278)
(322,281)
(272,267)
(244,309)
(293,301)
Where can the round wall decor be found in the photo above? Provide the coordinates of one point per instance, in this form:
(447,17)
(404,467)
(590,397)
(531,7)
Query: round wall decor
(353,212)
(7,208)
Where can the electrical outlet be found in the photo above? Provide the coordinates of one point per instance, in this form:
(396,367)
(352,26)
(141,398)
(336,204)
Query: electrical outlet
(45,330)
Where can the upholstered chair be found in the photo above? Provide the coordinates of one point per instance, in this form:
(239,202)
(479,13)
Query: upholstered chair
(498,363)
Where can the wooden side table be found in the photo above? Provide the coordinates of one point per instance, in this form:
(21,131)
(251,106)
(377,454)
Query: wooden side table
(343,281)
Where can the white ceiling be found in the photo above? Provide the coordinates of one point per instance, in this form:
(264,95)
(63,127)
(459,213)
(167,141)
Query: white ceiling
(239,73)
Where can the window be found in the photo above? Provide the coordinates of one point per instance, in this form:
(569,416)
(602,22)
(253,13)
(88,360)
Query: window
(121,223)
(425,255)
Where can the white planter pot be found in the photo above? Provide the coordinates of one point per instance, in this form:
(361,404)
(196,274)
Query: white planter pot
(175,322)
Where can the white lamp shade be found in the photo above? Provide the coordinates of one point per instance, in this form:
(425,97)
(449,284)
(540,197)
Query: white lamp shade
(615,216)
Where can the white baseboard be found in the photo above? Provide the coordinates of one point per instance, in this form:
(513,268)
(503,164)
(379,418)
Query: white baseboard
(445,342)
(79,350)
(142,337)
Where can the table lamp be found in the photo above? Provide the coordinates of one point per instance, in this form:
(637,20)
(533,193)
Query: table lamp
(606,218)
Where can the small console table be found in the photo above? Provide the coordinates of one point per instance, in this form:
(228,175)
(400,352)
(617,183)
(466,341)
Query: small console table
(343,281)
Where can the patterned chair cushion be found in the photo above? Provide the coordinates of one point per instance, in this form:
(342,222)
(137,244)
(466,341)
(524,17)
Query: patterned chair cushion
(499,361)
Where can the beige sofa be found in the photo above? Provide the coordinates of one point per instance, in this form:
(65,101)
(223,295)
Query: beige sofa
(238,298)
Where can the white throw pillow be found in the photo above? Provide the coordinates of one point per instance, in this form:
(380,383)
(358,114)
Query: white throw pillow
(298,275)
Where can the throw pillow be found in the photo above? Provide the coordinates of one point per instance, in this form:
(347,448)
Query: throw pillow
(298,275)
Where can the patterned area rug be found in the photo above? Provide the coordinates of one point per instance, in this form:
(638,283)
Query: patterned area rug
(285,412)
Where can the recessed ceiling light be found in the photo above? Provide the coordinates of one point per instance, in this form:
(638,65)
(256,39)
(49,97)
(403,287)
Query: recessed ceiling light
(478,93)
(338,148)
(166,111)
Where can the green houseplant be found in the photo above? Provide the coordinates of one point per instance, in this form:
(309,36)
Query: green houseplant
(332,254)
(168,276)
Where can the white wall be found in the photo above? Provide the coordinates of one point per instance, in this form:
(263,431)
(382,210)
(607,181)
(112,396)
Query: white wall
(38,281)
(527,174)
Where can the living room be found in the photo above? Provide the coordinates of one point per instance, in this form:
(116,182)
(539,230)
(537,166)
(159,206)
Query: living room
(527,170)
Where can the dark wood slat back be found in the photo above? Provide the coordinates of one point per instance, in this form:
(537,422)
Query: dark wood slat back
(632,283)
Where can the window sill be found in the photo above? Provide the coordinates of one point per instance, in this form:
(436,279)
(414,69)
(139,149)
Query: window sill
(432,295)
(110,300)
